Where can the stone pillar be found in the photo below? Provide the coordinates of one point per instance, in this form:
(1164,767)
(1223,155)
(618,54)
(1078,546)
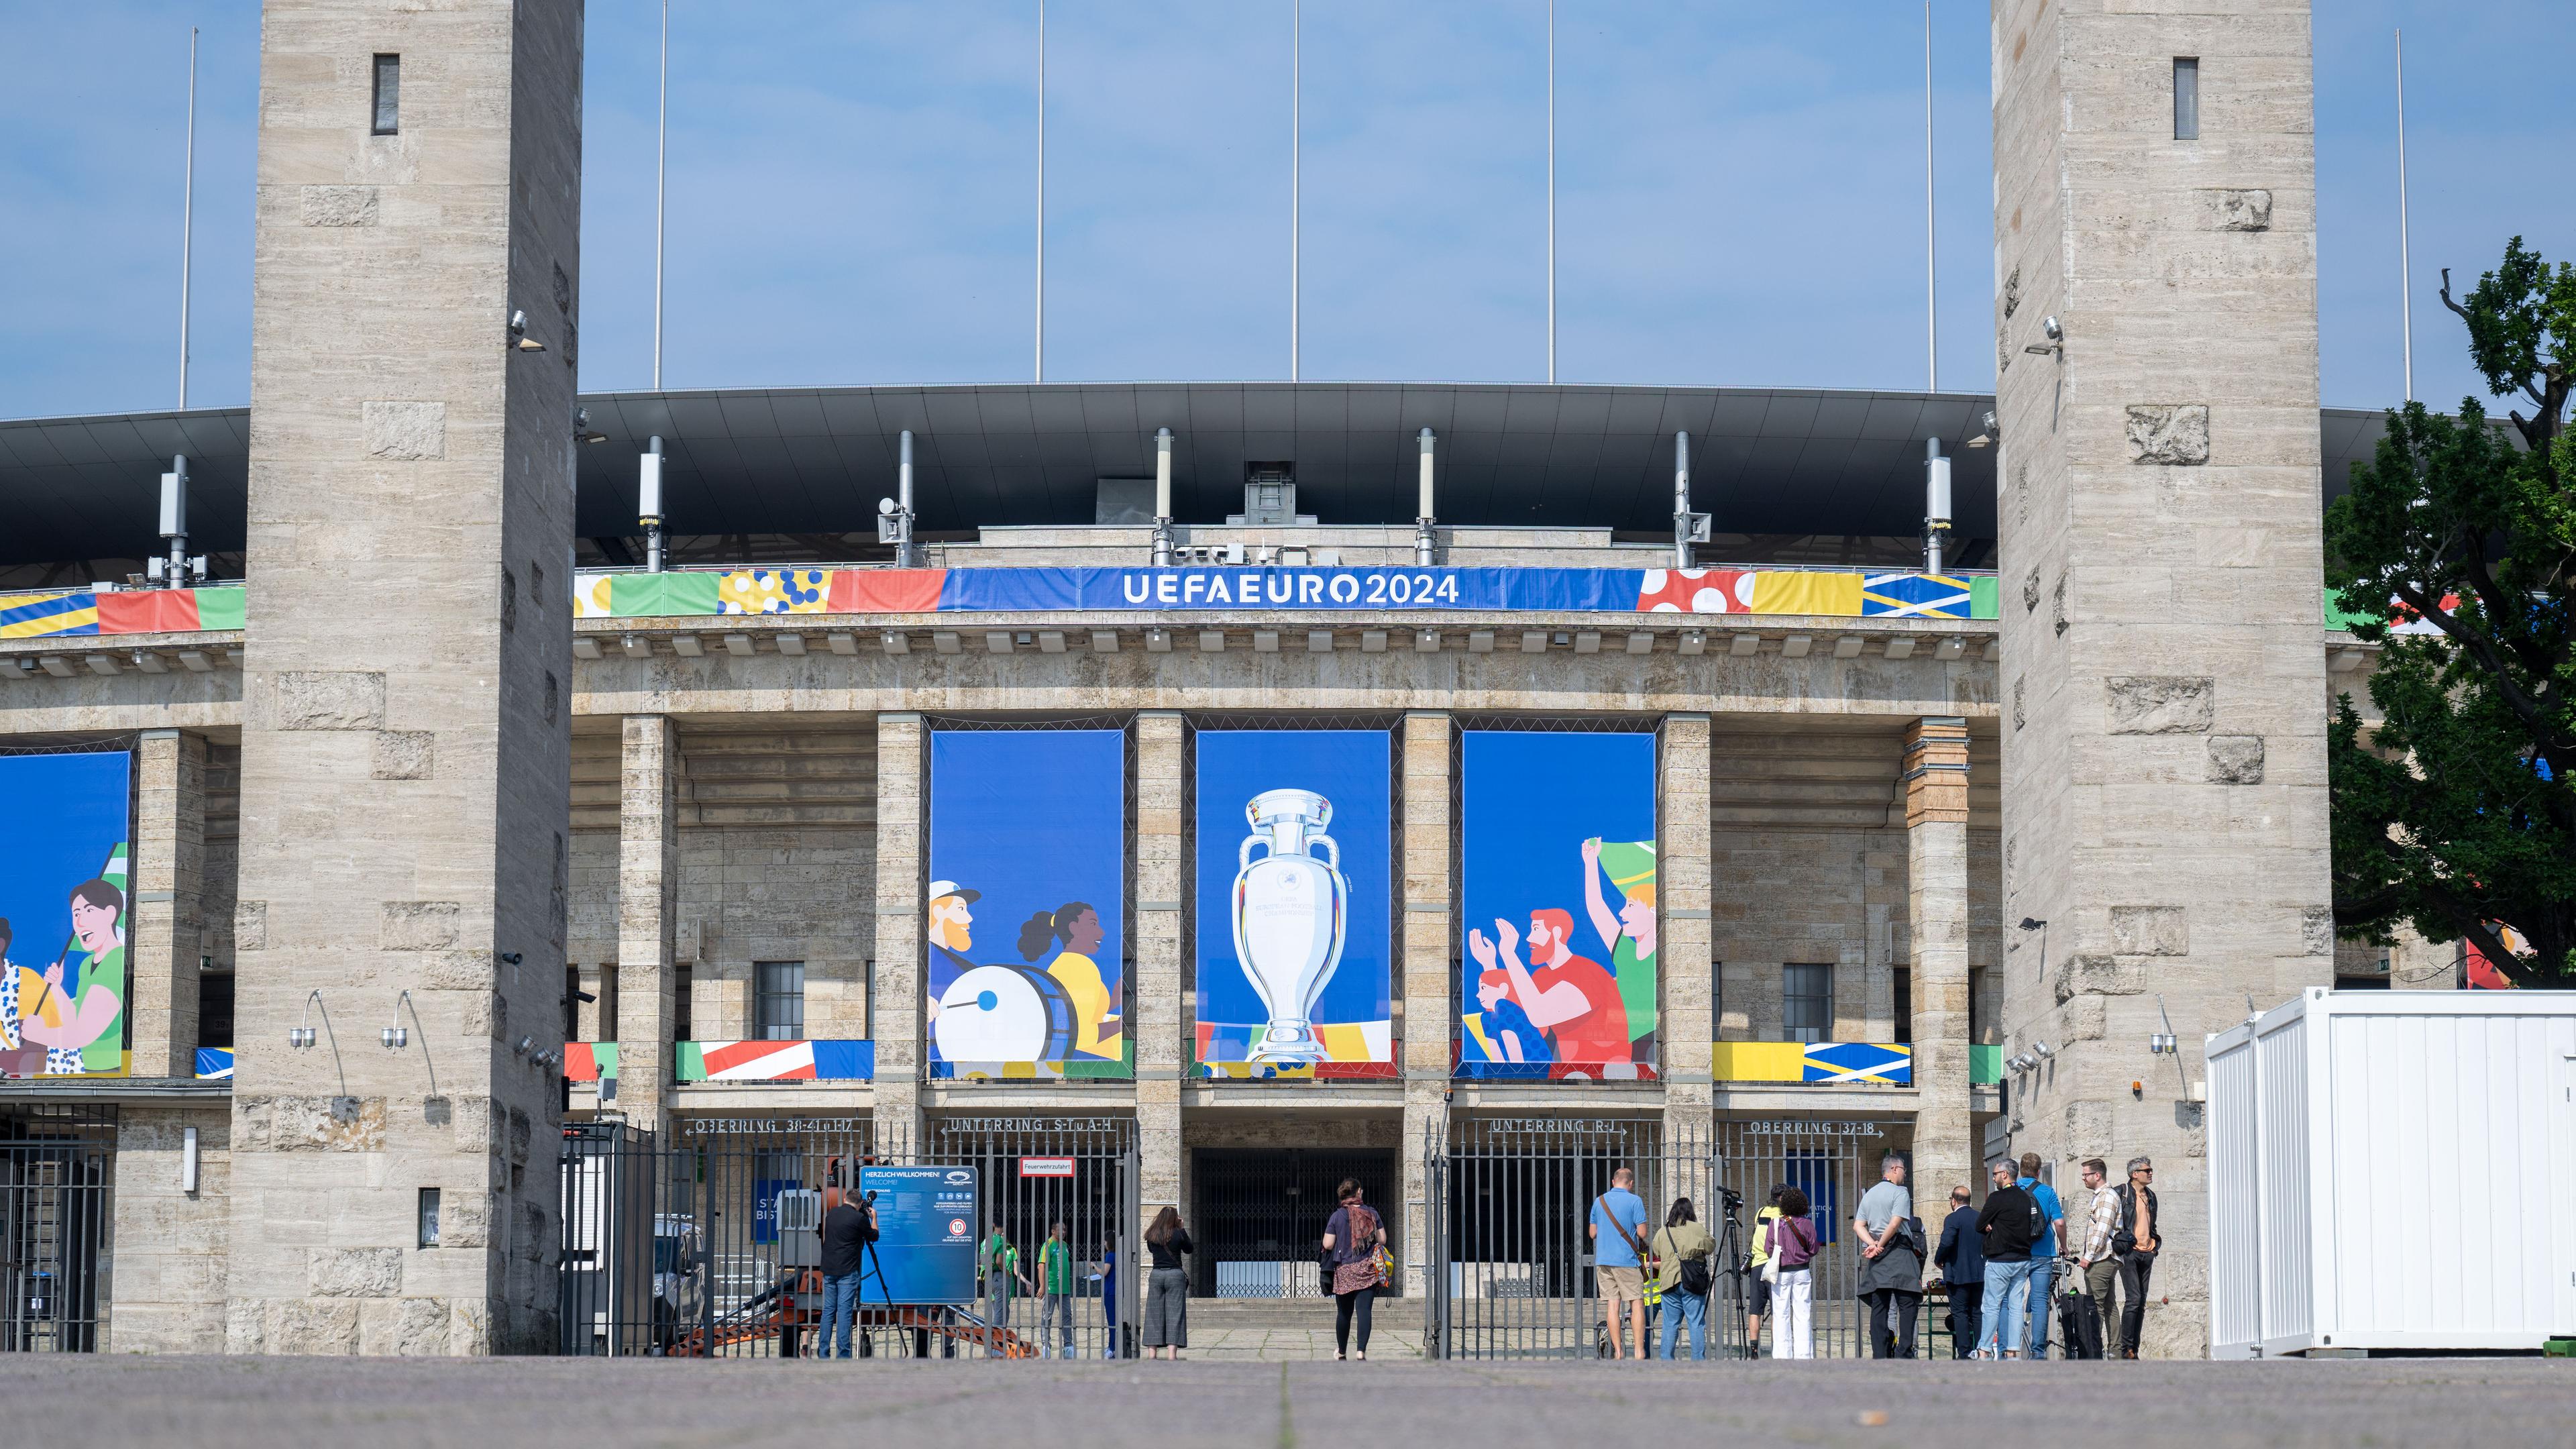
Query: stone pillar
(1936,912)
(902,849)
(1162,746)
(167,1295)
(166,927)
(648,910)
(2164,689)
(1430,969)
(1684,943)
(405,738)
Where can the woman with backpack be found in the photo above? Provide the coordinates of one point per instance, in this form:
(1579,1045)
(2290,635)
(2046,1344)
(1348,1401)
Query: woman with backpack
(1685,1250)
(1354,1242)
(1791,1239)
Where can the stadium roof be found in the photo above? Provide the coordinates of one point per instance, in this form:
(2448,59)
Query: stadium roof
(803,460)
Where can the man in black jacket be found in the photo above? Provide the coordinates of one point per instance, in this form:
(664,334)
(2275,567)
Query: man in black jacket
(2134,1244)
(1962,1260)
(2012,1224)
(847,1230)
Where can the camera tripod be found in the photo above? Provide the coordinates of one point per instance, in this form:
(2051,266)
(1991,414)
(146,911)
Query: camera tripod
(1730,1251)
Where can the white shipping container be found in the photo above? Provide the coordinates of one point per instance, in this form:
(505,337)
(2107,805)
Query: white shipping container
(2394,1170)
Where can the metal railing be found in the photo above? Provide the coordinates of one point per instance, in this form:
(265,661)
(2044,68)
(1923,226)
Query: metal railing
(54,1224)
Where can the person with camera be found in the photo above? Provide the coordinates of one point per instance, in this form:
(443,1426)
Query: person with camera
(1687,1255)
(847,1230)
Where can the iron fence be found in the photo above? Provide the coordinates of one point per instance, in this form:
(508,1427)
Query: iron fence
(705,1242)
(55,1177)
(1512,1270)
(1831,1162)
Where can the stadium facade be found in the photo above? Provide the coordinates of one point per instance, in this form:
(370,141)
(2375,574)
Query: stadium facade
(471,814)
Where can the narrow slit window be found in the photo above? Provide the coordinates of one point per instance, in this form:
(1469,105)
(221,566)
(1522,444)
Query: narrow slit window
(428,1217)
(2186,98)
(388,111)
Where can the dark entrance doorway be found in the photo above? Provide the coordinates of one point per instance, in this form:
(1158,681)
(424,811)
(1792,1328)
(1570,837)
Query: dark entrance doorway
(1260,1215)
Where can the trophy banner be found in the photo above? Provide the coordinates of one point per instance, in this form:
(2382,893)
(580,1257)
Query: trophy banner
(1294,844)
(64,914)
(1557,907)
(1025,902)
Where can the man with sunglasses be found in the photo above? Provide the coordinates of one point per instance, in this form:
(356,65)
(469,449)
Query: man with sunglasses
(2134,1244)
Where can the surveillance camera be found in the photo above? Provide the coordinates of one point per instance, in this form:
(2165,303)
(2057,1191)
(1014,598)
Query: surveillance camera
(519,324)
(1987,422)
(2048,326)
(885,507)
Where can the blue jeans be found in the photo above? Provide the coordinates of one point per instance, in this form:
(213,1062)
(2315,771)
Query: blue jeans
(2043,1303)
(1680,1308)
(2007,1307)
(840,1306)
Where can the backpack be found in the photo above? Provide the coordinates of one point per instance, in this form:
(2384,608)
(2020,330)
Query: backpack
(1696,1279)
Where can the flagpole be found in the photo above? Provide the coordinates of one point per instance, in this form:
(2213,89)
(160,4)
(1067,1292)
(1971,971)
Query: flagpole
(188,218)
(1931,297)
(2405,264)
(1551,192)
(661,168)
(1041,309)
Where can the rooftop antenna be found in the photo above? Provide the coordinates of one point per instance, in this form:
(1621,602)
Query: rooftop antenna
(187,221)
(2405,266)
(1931,301)
(1551,192)
(1041,365)
(661,155)
(1296,171)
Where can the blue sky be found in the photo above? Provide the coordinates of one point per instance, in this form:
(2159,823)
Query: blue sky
(853,188)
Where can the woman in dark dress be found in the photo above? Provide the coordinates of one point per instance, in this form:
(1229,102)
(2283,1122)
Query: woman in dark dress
(1167,1291)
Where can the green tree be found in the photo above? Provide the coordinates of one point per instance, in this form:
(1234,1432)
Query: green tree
(2458,816)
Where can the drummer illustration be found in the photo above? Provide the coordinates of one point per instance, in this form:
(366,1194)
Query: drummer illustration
(993,1014)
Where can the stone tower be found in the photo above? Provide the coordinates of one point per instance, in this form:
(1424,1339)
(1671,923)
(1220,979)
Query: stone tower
(405,745)
(2163,690)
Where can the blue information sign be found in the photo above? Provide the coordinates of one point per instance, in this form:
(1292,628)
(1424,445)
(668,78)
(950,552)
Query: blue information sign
(926,1224)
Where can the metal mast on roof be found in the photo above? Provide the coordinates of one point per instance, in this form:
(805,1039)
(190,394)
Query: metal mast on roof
(661,155)
(1551,192)
(1041,365)
(1931,300)
(1296,174)
(187,217)
(2405,265)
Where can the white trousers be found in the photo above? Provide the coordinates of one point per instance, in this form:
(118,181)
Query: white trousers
(1793,1314)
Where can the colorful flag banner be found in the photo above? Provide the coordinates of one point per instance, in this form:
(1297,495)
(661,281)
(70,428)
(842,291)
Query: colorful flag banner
(1815,1063)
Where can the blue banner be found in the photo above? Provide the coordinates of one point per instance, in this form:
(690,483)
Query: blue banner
(1026,901)
(1293,890)
(1557,906)
(1302,589)
(926,1224)
(63,914)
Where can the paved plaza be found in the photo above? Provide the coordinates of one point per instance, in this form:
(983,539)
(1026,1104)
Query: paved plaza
(261,1403)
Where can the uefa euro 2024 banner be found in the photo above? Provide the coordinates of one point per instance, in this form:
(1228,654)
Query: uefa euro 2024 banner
(1025,903)
(63,890)
(1557,857)
(1293,897)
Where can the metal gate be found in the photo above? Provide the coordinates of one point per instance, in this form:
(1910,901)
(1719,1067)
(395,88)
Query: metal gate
(1039,1174)
(704,1242)
(1259,1217)
(54,1216)
(1832,1162)
(1510,1272)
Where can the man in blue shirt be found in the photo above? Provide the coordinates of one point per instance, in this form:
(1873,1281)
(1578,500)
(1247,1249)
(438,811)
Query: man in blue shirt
(2043,1254)
(1618,1239)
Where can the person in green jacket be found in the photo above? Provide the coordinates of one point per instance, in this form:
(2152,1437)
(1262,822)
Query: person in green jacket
(1057,1274)
(1001,1265)
(1682,1240)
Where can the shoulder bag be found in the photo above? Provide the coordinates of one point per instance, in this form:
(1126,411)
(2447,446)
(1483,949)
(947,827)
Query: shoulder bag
(1771,1261)
(1695,1277)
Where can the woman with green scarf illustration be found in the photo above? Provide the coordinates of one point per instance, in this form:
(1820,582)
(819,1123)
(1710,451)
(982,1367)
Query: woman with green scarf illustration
(1629,932)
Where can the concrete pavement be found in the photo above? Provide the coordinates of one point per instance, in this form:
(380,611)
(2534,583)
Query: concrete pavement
(261,1403)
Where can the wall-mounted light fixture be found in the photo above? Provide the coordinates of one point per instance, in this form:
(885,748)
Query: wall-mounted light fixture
(2056,336)
(519,337)
(188,1161)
